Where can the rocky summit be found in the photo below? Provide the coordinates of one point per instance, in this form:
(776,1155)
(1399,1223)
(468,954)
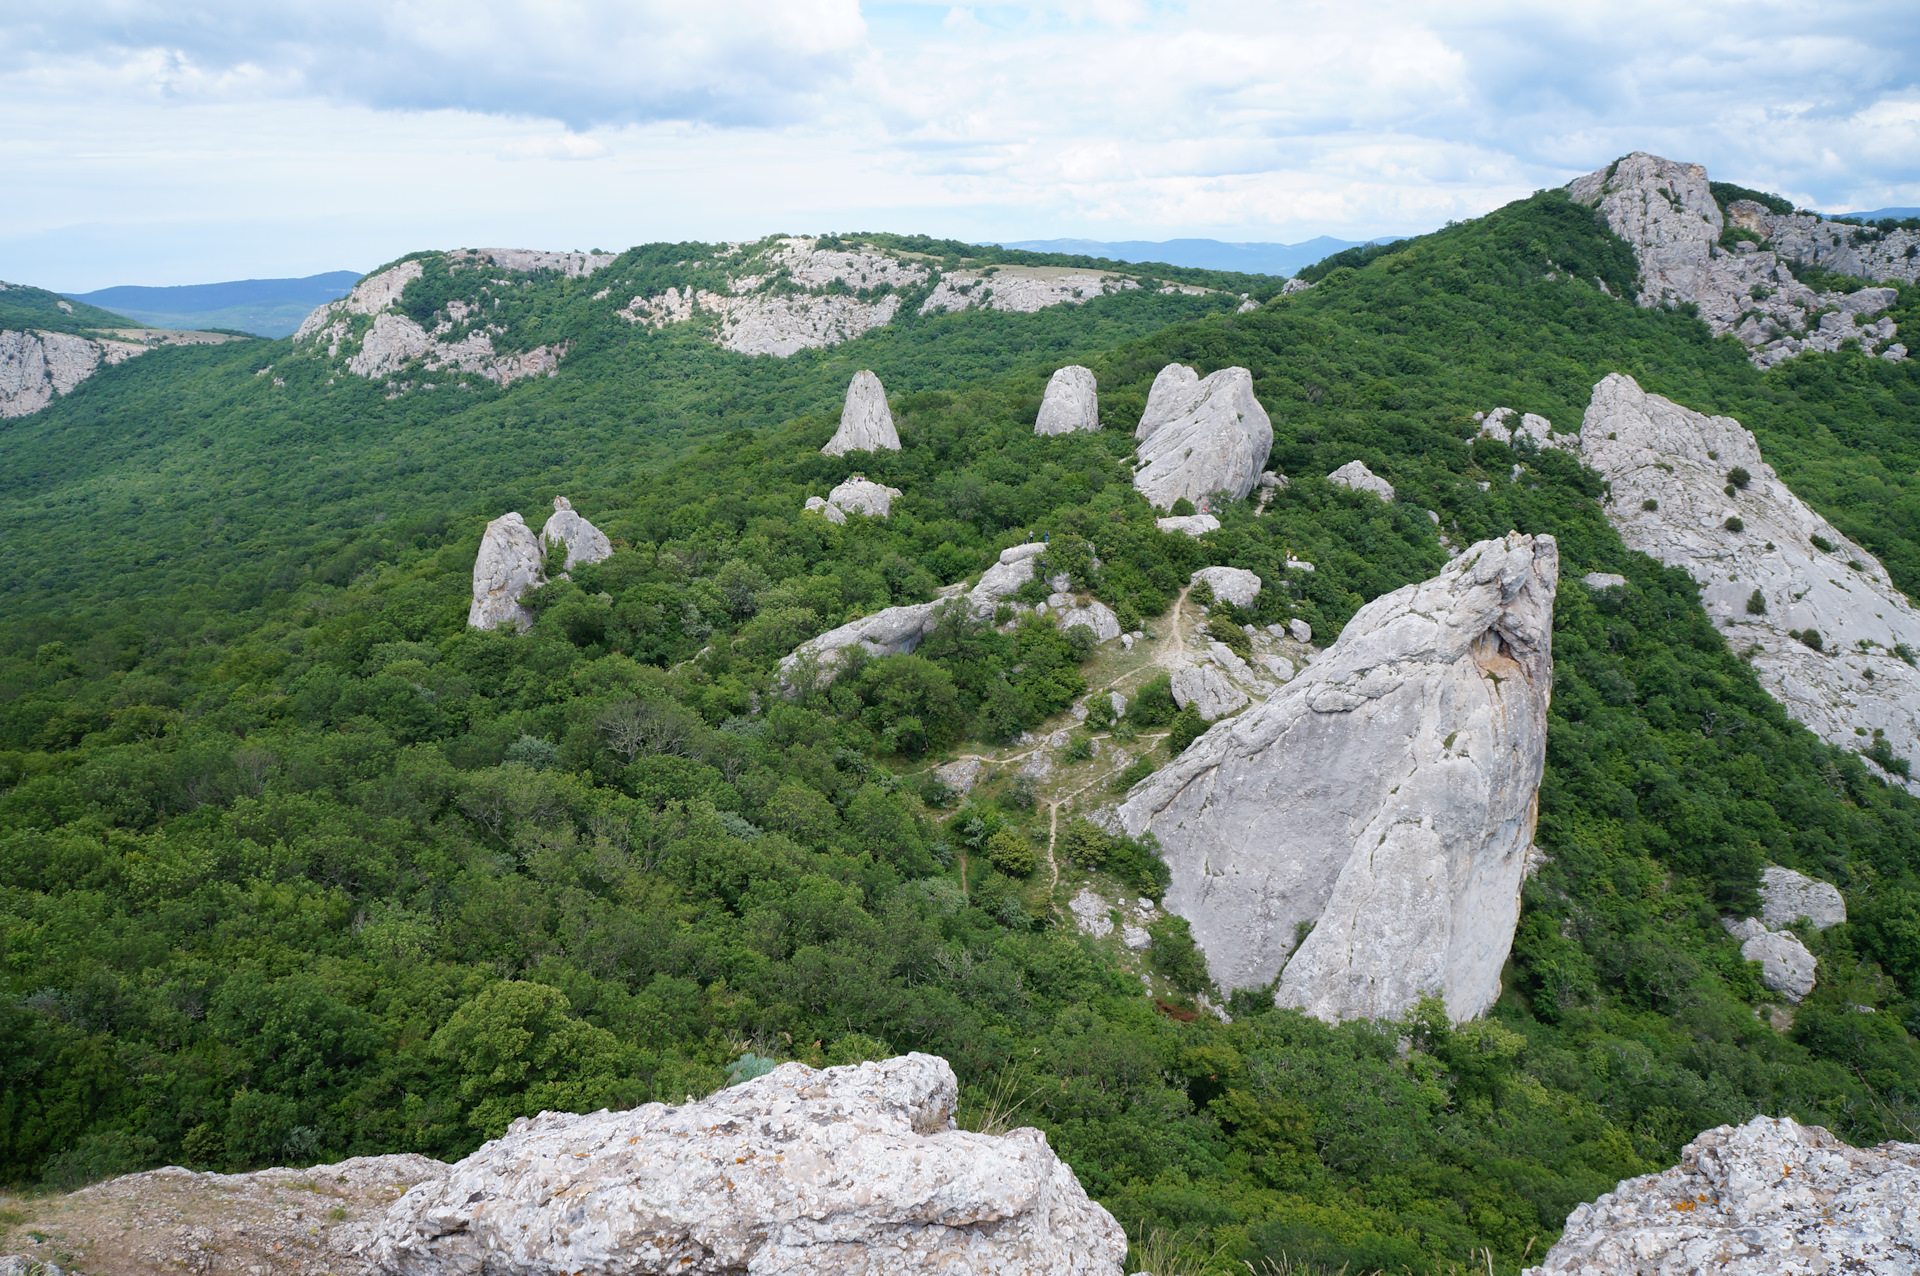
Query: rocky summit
(847,1171)
(1203,440)
(1362,834)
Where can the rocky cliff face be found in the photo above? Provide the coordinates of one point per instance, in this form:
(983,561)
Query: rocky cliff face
(853,1171)
(1668,213)
(1768,566)
(1759,1199)
(1363,833)
(1201,439)
(36,366)
(866,423)
(1072,402)
(510,563)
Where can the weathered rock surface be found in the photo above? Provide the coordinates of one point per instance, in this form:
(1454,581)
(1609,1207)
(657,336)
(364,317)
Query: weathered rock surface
(1386,795)
(827,510)
(1189,524)
(1510,427)
(1234,585)
(1095,616)
(1787,896)
(866,424)
(509,564)
(1603,580)
(960,776)
(1762,1199)
(36,366)
(1213,448)
(1207,689)
(861,495)
(1171,395)
(891,631)
(1651,449)
(1072,402)
(1786,966)
(1356,475)
(1667,212)
(1300,629)
(802,1172)
(1023,289)
(585,543)
(1004,578)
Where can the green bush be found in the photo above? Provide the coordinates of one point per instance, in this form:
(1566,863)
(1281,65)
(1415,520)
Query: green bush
(1012,854)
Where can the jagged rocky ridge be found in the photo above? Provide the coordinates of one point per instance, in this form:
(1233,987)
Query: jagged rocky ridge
(1385,798)
(1667,211)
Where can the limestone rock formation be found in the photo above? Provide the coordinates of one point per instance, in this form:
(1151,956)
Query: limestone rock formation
(1356,475)
(1024,289)
(1653,451)
(866,425)
(1208,690)
(1759,1199)
(891,631)
(1172,393)
(1386,795)
(1234,585)
(1835,246)
(1300,629)
(1787,896)
(1004,578)
(1786,966)
(1668,213)
(827,510)
(861,495)
(850,1171)
(585,543)
(1510,427)
(1603,580)
(1095,615)
(1213,447)
(509,564)
(1189,524)
(36,366)
(1072,402)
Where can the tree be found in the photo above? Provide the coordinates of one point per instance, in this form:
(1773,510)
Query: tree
(518,1049)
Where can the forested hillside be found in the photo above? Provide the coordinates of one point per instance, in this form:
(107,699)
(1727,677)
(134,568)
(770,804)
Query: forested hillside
(295,866)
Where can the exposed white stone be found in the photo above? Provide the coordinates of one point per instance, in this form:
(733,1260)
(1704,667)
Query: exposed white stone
(1004,578)
(850,1171)
(572,265)
(1096,616)
(508,565)
(1386,795)
(825,509)
(866,425)
(1786,966)
(1300,629)
(1762,1199)
(1603,580)
(585,543)
(1294,285)
(1356,475)
(861,495)
(1208,690)
(1189,524)
(1175,387)
(1023,289)
(892,631)
(1510,427)
(1229,659)
(1787,896)
(960,776)
(1117,702)
(1072,402)
(1234,585)
(1212,449)
(1090,913)
(36,366)
(1651,449)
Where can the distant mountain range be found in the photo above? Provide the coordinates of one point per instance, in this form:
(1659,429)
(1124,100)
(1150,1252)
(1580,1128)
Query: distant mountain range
(1874,215)
(1207,254)
(265,307)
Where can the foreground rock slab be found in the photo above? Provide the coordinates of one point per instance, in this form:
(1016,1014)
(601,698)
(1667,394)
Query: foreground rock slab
(866,423)
(837,1172)
(1385,797)
(1768,1197)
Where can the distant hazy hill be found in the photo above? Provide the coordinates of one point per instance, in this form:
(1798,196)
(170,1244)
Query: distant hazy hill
(1877,214)
(23,306)
(1210,254)
(269,307)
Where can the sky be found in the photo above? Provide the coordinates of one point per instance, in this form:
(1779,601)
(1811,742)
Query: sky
(186,141)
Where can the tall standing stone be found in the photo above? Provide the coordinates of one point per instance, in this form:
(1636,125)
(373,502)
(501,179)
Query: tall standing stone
(866,424)
(585,543)
(1170,397)
(1216,444)
(1072,402)
(508,566)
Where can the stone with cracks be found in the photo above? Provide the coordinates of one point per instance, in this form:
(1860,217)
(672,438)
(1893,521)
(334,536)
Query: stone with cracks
(849,1171)
(1095,616)
(1760,1199)
(1387,795)
(866,424)
(1356,475)
(1786,966)
(1214,448)
(1004,578)
(1234,585)
(1189,524)
(826,509)
(891,631)
(1207,689)
(1787,896)
(585,543)
(861,495)
(509,564)
(1650,449)
(1172,394)
(1072,402)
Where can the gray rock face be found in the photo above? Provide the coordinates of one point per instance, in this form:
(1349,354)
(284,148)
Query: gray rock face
(1189,524)
(36,367)
(510,563)
(1603,580)
(853,1171)
(1787,896)
(1234,585)
(1214,447)
(960,776)
(1650,449)
(1386,795)
(1786,967)
(585,543)
(891,631)
(861,495)
(1876,255)
(827,510)
(1510,427)
(1072,402)
(1004,578)
(1095,616)
(866,425)
(1300,629)
(1760,1199)
(1356,475)
(1172,393)
(1208,690)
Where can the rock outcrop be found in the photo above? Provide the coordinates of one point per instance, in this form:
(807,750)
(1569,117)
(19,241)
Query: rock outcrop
(1510,427)
(1760,1199)
(1168,399)
(1098,618)
(850,1171)
(1668,213)
(1385,797)
(1787,897)
(1356,475)
(1072,402)
(1024,289)
(1771,571)
(1786,967)
(509,564)
(891,631)
(1234,585)
(827,510)
(36,367)
(1004,578)
(585,543)
(866,424)
(1212,448)
(1208,690)
(1189,524)
(861,495)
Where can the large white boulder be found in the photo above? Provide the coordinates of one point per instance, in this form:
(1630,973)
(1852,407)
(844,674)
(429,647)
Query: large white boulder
(1385,797)
(1234,585)
(1208,690)
(866,423)
(509,564)
(1004,578)
(1786,966)
(1356,475)
(891,631)
(861,495)
(1172,394)
(851,1171)
(1072,402)
(585,543)
(827,509)
(1189,524)
(1787,896)
(1096,616)
(1215,446)
(1761,1199)
(1654,452)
